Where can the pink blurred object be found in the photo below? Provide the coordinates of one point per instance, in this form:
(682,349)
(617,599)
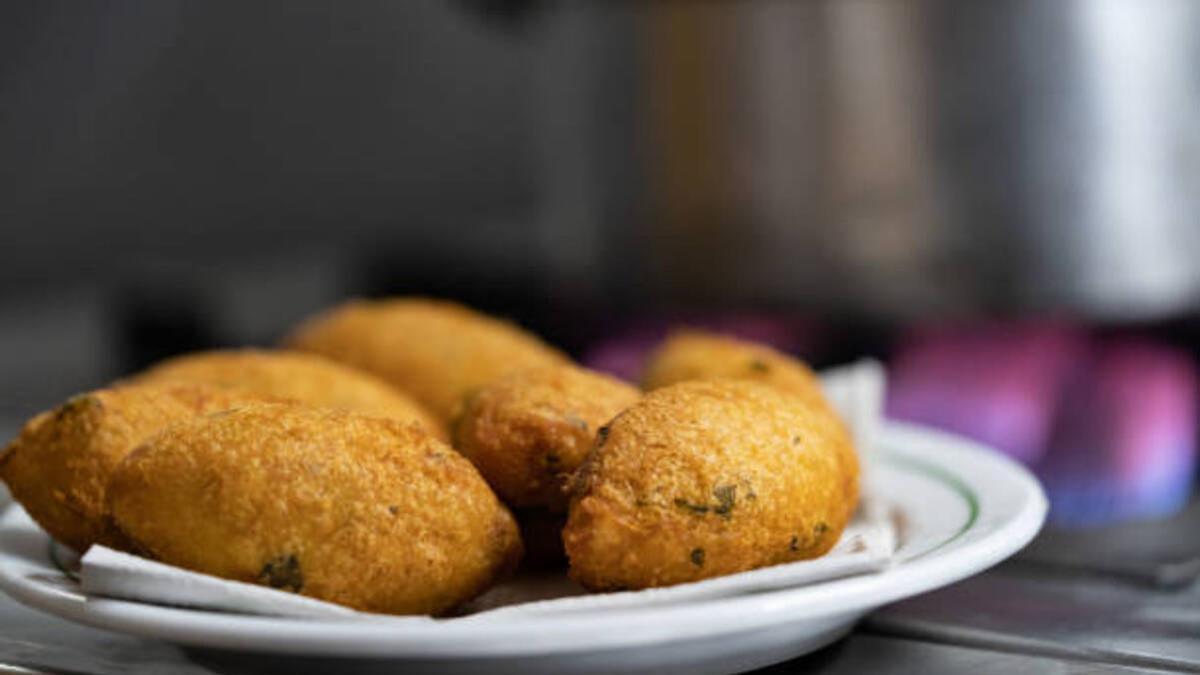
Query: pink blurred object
(996,383)
(1110,426)
(624,354)
(1124,446)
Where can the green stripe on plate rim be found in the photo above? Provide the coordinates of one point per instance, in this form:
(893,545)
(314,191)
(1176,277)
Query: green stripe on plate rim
(951,481)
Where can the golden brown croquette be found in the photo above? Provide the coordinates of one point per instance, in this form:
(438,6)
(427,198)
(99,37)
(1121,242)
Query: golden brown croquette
(528,432)
(307,378)
(59,465)
(698,355)
(364,511)
(435,350)
(706,478)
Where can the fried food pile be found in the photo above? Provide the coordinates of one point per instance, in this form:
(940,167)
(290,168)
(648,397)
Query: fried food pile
(400,455)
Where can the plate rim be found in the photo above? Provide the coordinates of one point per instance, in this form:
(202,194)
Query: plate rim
(548,634)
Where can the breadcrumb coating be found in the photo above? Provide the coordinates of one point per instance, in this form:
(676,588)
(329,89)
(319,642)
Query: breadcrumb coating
(364,511)
(58,467)
(528,432)
(307,378)
(438,351)
(706,478)
(698,355)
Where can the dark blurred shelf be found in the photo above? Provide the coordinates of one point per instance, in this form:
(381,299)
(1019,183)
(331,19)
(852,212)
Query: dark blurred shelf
(872,653)
(1081,618)
(1163,553)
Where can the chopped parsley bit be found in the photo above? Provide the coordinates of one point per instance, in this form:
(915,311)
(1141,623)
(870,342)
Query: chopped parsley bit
(726,497)
(394,510)
(576,421)
(820,528)
(601,435)
(794,544)
(796,440)
(77,402)
(697,509)
(697,556)
(759,366)
(282,572)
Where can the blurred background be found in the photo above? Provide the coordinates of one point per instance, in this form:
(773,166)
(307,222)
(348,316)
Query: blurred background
(999,200)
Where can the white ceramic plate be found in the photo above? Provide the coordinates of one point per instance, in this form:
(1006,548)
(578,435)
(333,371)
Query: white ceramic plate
(960,509)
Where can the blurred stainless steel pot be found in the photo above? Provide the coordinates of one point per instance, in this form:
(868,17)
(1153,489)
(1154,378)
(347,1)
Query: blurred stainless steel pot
(894,157)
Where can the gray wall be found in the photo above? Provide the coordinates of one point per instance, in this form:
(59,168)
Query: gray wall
(176,174)
(167,134)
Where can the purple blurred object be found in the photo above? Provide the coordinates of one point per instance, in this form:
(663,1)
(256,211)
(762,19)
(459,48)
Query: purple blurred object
(1124,446)
(996,383)
(624,354)
(1109,426)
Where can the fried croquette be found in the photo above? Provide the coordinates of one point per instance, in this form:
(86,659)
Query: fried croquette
(706,478)
(59,465)
(698,355)
(306,378)
(435,350)
(364,511)
(528,432)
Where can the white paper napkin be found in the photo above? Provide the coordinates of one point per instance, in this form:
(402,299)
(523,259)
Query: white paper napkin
(108,573)
(867,545)
(857,392)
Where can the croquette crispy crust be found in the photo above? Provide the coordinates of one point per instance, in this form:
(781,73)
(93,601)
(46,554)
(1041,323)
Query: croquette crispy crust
(307,378)
(364,511)
(528,432)
(59,465)
(707,478)
(435,350)
(698,355)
